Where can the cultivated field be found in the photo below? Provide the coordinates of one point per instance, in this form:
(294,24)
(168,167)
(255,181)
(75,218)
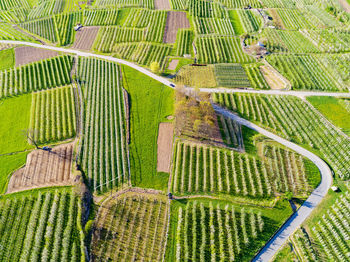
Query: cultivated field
(165,146)
(27,54)
(131,227)
(161,4)
(43,169)
(175,21)
(41,226)
(85,37)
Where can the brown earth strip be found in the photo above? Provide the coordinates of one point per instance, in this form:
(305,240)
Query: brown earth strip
(174,21)
(27,54)
(162,5)
(85,38)
(173,64)
(44,168)
(165,147)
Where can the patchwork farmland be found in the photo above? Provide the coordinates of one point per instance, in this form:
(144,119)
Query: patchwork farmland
(124,133)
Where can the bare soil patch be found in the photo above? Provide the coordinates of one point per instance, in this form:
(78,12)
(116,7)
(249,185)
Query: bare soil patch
(162,5)
(27,54)
(273,78)
(345,5)
(85,37)
(44,168)
(173,64)
(174,21)
(165,146)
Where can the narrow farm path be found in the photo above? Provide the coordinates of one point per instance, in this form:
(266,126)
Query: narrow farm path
(167,82)
(293,223)
(316,196)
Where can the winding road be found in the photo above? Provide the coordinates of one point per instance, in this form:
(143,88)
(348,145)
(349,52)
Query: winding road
(278,240)
(293,223)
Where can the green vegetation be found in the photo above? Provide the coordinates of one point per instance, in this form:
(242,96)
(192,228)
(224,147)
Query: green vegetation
(236,23)
(333,110)
(53,115)
(42,225)
(9,163)
(150,103)
(220,229)
(7,58)
(14,115)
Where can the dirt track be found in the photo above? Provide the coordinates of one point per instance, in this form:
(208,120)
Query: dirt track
(85,37)
(44,168)
(174,21)
(165,147)
(162,5)
(26,54)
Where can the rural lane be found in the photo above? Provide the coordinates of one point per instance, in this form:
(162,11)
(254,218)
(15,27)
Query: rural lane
(316,196)
(167,82)
(293,223)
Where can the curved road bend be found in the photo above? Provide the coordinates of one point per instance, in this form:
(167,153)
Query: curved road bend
(167,82)
(316,196)
(293,223)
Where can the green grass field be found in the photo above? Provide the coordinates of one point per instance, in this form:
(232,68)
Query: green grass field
(8,164)
(14,115)
(150,103)
(7,58)
(237,26)
(333,111)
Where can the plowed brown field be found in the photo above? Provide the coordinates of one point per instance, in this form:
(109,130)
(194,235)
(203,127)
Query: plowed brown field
(174,21)
(165,146)
(44,168)
(161,5)
(85,37)
(27,54)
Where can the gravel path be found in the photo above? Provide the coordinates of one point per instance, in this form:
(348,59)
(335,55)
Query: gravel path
(293,223)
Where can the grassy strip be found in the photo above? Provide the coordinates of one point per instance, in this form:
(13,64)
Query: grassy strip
(14,115)
(7,58)
(333,110)
(9,164)
(150,103)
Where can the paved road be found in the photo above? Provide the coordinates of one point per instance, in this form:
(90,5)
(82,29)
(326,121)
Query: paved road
(167,82)
(309,205)
(314,199)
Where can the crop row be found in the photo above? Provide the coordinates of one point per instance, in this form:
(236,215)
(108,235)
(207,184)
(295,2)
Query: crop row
(179,4)
(100,17)
(108,37)
(332,40)
(199,168)
(156,26)
(295,120)
(320,17)
(306,72)
(65,24)
(220,50)
(53,115)
(36,76)
(304,245)
(231,75)
(131,228)
(255,76)
(293,19)
(217,26)
(234,4)
(41,227)
(184,42)
(214,233)
(332,231)
(231,132)
(249,21)
(103,148)
(7,32)
(143,53)
(283,41)
(201,8)
(46,8)
(44,28)
(125,3)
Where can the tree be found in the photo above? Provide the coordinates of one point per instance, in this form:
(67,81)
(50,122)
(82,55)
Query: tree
(30,134)
(155,67)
